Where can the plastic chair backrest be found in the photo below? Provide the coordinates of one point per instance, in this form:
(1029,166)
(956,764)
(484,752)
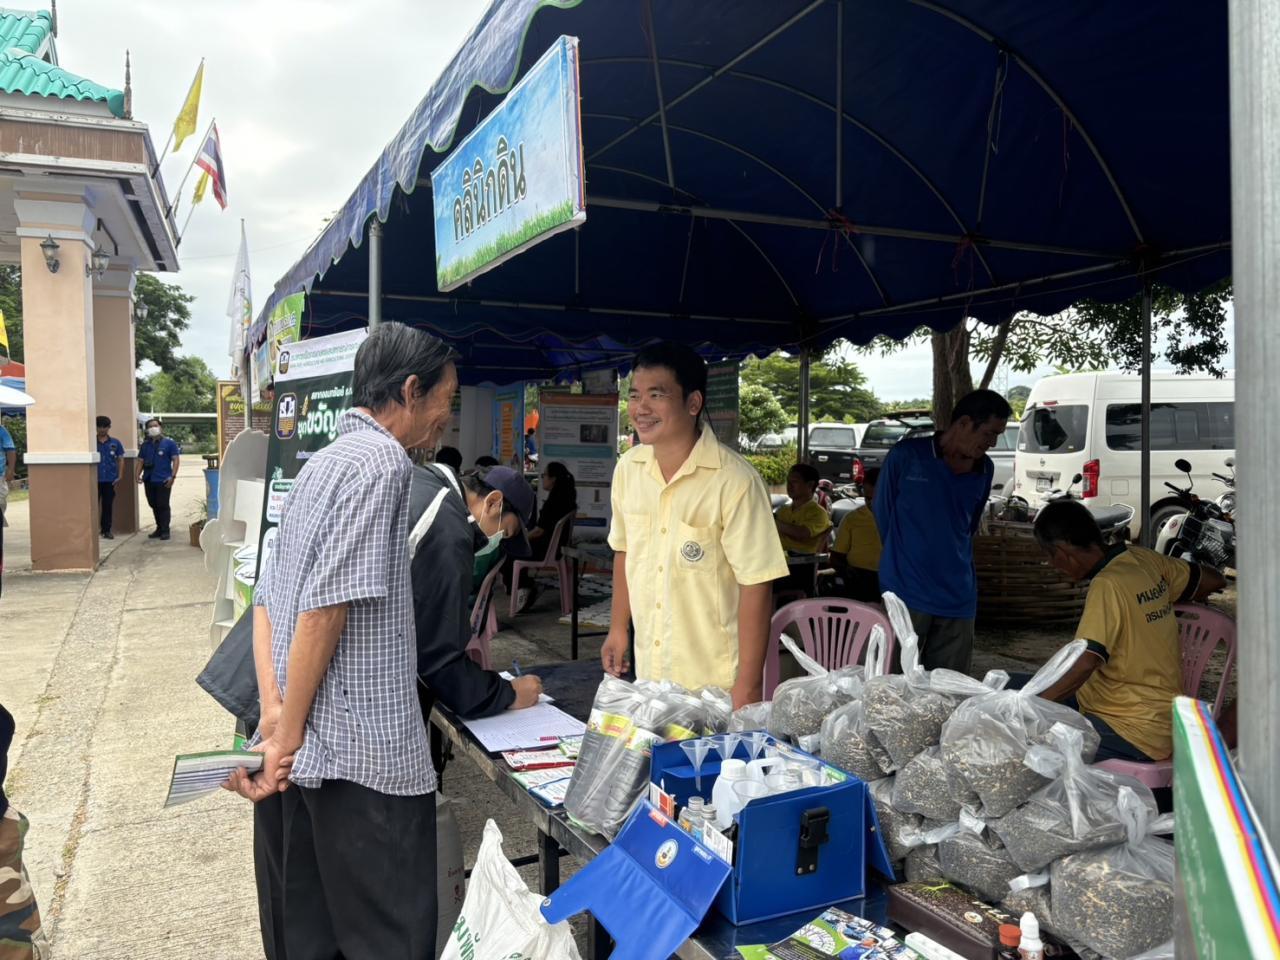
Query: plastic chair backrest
(833,631)
(483,615)
(558,533)
(1200,630)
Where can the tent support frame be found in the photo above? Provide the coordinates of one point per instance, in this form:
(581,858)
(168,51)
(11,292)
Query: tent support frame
(802,438)
(1144,471)
(375,272)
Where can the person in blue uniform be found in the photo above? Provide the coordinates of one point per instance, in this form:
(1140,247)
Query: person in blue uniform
(110,450)
(157,469)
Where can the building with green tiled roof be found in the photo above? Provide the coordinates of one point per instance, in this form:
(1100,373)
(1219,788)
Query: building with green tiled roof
(29,63)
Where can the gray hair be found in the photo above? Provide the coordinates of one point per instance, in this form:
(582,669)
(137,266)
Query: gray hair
(390,355)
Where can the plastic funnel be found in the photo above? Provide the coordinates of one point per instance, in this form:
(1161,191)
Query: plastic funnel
(727,744)
(757,742)
(696,751)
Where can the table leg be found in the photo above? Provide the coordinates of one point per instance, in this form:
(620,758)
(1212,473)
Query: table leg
(548,864)
(573,617)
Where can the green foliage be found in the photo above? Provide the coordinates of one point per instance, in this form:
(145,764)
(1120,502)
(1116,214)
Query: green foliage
(11,304)
(759,413)
(190,387)
(837,388)
(1017,397)
(17,427)
(774,467)
(168,314)
(505,243)
(897,406)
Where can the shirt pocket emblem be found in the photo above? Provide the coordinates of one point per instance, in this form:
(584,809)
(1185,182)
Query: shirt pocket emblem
(692,551)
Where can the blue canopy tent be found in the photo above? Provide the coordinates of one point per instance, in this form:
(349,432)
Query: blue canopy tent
(769,174)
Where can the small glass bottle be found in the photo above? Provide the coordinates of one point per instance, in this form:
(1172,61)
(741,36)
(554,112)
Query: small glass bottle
(691,814)
(708,821)
(1010,935)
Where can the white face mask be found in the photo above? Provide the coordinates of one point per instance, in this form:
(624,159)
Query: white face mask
(492,545)
(153,431)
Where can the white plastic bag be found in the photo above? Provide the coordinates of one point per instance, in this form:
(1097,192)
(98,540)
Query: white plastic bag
(451,883)
(752,716)
(987,737)
(846,741)
(501,916)
(801,704)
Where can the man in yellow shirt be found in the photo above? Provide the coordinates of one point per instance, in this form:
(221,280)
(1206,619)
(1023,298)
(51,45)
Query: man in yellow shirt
(803,523)
(856,552)
(693,534)
(1126,680)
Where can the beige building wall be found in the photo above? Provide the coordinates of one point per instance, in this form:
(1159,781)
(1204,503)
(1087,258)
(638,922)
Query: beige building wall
(115,386)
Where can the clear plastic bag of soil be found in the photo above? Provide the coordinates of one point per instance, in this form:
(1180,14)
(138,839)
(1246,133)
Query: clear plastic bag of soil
(922,861)
(979,862)
(1077,811)
(801,704)
(1030,894)
(613,762)
(987,738)
(901,831)
(1119,900)
(753,716)
(927,785)
(905,712)
(846,741)
(717,705)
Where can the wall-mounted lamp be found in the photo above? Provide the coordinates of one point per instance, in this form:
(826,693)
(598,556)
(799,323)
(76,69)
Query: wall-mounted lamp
(49,247)
(97,265)
(140,311)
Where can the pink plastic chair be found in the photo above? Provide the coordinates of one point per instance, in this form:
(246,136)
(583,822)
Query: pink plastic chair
(1200,630)
(833,631)
(484,620)
(551,561)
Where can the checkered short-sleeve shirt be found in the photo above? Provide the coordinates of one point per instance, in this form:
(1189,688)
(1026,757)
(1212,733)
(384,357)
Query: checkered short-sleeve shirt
(342,540)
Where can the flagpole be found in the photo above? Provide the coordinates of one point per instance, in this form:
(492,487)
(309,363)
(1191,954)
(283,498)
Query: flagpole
(177,197)
(183,232)
(163,153)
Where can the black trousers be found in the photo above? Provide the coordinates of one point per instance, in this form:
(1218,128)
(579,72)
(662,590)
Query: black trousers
(350,874)
(106,500)
(158,500)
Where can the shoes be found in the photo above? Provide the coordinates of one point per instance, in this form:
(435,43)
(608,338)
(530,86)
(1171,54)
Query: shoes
(108,535)
(164,536)
(155,535)
(524,596)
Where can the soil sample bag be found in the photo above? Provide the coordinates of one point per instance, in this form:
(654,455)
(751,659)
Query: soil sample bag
(901,831)
(1119,900)
(1078,811)
(753,716)
(979,862)
(801,704)
(1030,894)
(927,786)
(987,737)
(847,743)
(717,705)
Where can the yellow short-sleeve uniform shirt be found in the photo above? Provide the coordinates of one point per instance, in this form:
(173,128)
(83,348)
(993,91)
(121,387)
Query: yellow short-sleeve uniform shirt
(690,543)
(858,539)
(1129,622)
(813,518)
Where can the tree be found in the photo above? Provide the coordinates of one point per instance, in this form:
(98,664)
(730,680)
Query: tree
(158,337)
(1088,335)
(837,388)
(1018,397)
(759,413)
(189,388)
(11,304)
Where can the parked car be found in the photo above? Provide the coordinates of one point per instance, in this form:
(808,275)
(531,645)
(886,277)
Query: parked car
(882,434)
(832,447)
(1002,455)
(1091,424)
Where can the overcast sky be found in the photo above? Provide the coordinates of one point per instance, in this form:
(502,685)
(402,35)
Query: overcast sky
(306,93)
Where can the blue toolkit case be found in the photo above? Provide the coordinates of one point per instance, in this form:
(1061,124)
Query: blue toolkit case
(796,851)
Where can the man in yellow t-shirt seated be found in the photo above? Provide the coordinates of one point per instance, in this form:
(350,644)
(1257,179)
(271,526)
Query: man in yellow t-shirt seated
(855,556)
(1126,680)
(803,523)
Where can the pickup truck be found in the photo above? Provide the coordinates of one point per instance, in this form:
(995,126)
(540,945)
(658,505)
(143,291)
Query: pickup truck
(882,434)
(831,449)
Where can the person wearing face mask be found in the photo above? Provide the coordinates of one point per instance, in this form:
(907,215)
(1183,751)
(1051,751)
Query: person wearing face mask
(157,469)
(110,450)
(928,505)
(344,795)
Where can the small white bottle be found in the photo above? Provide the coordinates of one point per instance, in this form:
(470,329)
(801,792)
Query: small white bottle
(723,796)
(1030,947)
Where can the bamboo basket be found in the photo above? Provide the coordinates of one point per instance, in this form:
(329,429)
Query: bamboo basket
(1016,587)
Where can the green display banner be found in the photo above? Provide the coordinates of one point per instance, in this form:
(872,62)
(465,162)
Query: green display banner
(313,391)
(722,401)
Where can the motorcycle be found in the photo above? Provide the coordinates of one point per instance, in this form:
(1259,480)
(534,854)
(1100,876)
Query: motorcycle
(1227,501)
(1112,520)
(1206,533)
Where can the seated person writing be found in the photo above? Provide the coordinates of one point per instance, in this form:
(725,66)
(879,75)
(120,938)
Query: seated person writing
(855,556)
(803,523)
(1126,680)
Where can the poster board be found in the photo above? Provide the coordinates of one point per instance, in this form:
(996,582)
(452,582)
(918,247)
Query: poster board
(581,431)
(517,178)
(722,401)
(508,424)
(313,391)
(231,415)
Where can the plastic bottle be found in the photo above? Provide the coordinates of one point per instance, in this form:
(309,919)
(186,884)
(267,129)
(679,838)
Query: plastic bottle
(726,801)
(691,814)
(1010,936)
(1031,946)
(707,820)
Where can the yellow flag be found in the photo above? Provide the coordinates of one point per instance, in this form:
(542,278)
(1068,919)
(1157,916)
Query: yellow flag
(185,125)
(4,341)
(201,186)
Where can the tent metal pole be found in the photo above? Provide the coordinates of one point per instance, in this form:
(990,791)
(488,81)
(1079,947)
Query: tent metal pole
(802,438)
(839,104)
(375,272)
(1144,515)
(657,84)
(1254,37)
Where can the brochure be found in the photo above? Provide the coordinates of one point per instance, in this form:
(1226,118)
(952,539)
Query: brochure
(836,934)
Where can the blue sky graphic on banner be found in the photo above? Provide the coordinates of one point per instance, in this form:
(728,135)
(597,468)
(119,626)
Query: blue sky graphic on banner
(517,178)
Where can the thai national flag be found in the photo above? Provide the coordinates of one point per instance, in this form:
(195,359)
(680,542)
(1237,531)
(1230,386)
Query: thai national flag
(210,161)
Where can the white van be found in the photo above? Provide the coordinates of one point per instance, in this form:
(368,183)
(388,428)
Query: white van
(1091,424)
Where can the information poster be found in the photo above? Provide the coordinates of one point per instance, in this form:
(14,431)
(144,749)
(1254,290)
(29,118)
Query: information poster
(722,401)
(231,414)
(581,431)
(313,391)
(508,425)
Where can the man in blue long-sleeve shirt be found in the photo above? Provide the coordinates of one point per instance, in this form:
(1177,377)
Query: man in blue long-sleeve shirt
(929,502)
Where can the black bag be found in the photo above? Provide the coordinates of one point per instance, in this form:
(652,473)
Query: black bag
(230,676)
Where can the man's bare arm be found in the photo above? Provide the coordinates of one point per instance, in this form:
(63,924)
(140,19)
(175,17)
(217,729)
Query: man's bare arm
(755,609)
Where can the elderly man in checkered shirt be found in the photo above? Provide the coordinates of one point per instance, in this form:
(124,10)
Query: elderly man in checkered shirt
(336,659)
